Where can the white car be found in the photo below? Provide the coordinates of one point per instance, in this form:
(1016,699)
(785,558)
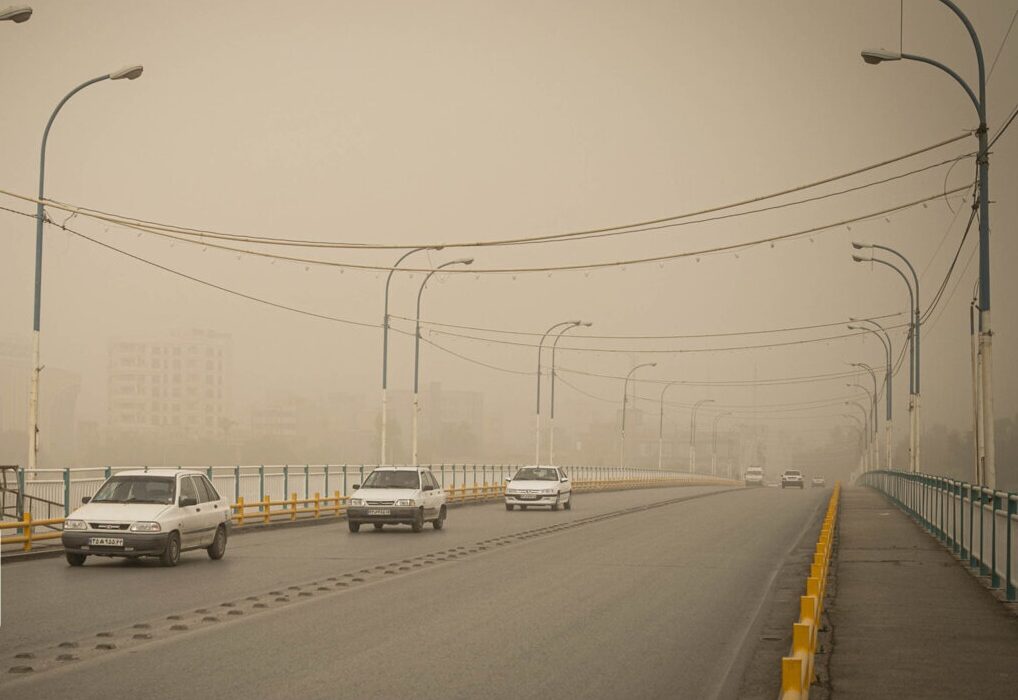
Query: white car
(754,476)
(397,496)
(818,481)
(158,512)
(792,478)
(539,486)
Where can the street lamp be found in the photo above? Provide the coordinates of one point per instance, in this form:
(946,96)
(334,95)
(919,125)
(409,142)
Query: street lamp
(417,345)
(551,423)
(625,399)
(885,340)
(914,357)
(714,444)
(692,434)
(866,432)
(40,216)
(16,14)
(661,425)
(537,420)
(385,347)
(876,397)
(873,417)
(983,162)
(861,441)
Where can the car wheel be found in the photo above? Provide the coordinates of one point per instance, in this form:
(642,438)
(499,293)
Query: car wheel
(523,507)
(75,559)
(439,522)
(354,527)
(171,554)
(554,506)
(379,526)
(569,504)
(217,549)
(508,506)
(418,524)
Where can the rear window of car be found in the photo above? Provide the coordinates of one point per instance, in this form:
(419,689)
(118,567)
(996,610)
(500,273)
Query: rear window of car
(206,492)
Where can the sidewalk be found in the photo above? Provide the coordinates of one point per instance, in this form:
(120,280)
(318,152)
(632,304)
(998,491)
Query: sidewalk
(908,620)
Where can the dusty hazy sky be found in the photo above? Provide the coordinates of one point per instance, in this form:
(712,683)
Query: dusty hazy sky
(407,122)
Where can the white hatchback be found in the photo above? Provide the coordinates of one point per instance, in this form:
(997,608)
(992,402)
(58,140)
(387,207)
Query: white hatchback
(539,486)
(155,512)
(397,496)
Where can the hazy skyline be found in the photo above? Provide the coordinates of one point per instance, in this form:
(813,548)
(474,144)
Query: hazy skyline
(408,123)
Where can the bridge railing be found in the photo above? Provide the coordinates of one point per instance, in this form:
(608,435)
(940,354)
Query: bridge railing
(976,523)
(298,486)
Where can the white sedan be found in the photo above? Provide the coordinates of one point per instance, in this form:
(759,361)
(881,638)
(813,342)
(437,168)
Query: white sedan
(539,486)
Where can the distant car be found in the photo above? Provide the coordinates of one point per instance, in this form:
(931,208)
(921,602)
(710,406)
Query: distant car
(158,512)
(539,486)
(397,496)
(792,478)
(754,476)
(817,481)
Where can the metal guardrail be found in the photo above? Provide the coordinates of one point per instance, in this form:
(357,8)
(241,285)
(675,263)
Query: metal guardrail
(797,668)
(974,522)
(265,511)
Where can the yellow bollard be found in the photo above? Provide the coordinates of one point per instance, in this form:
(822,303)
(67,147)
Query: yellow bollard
(791,677)
(266,501)
(293,506)
(240,510)
(27,519)
(318,504)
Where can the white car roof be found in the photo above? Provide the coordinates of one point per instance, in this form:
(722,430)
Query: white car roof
(159,472)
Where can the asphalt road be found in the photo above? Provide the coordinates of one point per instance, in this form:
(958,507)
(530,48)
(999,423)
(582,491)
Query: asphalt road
(631,594)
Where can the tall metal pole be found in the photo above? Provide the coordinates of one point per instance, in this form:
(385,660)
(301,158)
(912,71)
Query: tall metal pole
(977,412)
(692,433)
(661,425)
(873,418)
(551,418)
(537,413)
(714,444)
(417,348)
(625,399)
(983,163)
(866,429)
(40,219)
(383,459)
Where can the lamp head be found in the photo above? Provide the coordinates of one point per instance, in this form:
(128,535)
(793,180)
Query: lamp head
(587,324)
(463,261)
(859,258)
(16,14)
(652,364)
(859,246)
(875,56)
(130,73)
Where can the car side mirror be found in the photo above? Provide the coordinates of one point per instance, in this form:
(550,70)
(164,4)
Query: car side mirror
(563,479)
(85,499)
(356,486)
(186,501)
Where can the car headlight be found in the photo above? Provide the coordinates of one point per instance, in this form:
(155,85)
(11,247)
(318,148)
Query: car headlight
(548,492)
(356,502)
(146,527)
(511,493)
(406,502)
(74,525)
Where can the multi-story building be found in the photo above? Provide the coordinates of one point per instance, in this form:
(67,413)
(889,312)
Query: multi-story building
(179,384)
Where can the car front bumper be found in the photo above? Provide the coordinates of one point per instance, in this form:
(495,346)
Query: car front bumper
(135,543)
(382,514)
(796,484)
(539,501)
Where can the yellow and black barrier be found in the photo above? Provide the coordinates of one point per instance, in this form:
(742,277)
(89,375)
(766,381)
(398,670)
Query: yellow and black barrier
(797,668)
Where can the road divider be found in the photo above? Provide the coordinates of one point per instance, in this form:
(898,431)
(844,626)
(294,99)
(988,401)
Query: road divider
(797,668)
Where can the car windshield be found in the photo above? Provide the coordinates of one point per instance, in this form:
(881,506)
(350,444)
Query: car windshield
(793,472)
(392,479)
(536,474)
(136,489)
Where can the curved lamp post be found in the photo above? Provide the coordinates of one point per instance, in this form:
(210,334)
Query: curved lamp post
(417,345)
(914,332)
(885,341)
(129,73)
(537,414)
(858,429)
(714,444)
(16,14)
(551,419)
(692,433)
(873,418)
(661,425)
(625,399)
(385,348)
(983,161)
(866,433)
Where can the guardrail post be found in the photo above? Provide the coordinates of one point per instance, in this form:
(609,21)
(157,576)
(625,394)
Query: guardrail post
(307,480)
(339,502)
(326,478)
(973,562)
(983,570)
(994,576)
(261,482)
(791,675)
(318,505)
(20,505)
(108,473)
(962,551)
(286,480)
(240,511)
(293,506)
(67,491)
(27,527)
(1012,511)
(268,515)
(236,483)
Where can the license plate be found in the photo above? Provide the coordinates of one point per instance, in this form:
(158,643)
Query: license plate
(106,541)
(379,511)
